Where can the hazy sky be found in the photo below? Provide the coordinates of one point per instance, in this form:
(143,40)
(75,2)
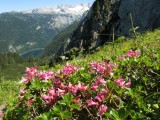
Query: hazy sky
(19,5)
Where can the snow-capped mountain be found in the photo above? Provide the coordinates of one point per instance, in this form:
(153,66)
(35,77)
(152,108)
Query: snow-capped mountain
(61,9)
(36,26)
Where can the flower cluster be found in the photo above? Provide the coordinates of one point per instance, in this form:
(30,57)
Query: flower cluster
(32,72)
(121,83)
(46,75)
(82,93)
(60,89)
(102,109)
(130,54)
(22,92)
(68,70)
(102,68)
(56,85)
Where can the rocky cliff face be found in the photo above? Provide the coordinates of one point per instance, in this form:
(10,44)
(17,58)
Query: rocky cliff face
(106,15)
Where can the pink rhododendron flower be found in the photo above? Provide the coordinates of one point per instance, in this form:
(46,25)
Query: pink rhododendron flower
(102,68)
(44,97)
(81,87)
(49,100)
(94,87)
(137,53)
(91,103)
(57,82)
(76,102)
(22,91)
(20,97)
(51,92)
(61,92)
(24,80)
(102,109)
(102,95)
(62,86)
(70,86)
(46,75)
(1,113)
(100,80)
(98,67)
(104,91)
(72,89)
(110,68)
(31,72)
(29,102)
(50,72)
(128,84)
(98,99)
(120,58)
(69,69)
(121,83)
(58,73)
(43,75)
(132,53)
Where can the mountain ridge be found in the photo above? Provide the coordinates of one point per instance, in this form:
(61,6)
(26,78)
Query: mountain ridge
(21,32)
(78,9)
(118,17)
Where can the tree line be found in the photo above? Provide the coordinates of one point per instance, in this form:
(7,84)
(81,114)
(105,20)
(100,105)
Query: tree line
(9,58)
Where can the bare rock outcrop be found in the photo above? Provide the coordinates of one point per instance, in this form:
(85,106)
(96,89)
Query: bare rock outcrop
(105,15)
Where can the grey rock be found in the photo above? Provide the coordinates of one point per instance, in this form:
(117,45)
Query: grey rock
(105,15)
(145,14)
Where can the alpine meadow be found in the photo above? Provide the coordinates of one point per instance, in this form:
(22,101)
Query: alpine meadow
(97,61)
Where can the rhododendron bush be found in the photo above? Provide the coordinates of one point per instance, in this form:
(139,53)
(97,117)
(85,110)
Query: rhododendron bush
(100,90)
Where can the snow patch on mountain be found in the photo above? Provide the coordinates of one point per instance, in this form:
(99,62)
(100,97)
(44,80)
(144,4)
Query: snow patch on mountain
(61,9)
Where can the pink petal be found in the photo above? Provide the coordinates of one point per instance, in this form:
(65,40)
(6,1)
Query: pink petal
(102,109)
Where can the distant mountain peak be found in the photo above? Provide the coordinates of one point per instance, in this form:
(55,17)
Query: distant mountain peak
(61,9)
(36,28)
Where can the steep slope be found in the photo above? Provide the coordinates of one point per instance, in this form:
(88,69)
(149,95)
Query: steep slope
(60,41)
(27,30)
(114,16)
(21,32)
(123,79)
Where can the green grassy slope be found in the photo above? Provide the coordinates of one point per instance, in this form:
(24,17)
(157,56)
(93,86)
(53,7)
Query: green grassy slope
(148,42)
(143,72)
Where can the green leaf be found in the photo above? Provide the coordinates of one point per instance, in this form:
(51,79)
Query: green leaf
(122,113)
(75,106)
(57,108)
(62,102)
(42,117)
(110,116)
(67,115)
(115,114)
(68,98)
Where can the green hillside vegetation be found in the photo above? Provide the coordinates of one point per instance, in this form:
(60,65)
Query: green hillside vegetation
(12,67)
(60,40)
(24,31)
(9,58)
(135,97)
(12,64)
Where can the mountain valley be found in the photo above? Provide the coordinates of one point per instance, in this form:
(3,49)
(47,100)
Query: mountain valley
(25,31)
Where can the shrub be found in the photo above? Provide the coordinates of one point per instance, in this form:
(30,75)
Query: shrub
(121,88)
